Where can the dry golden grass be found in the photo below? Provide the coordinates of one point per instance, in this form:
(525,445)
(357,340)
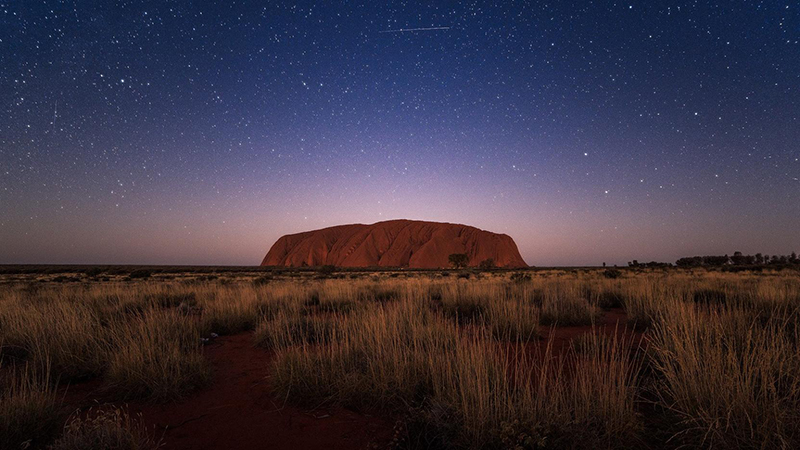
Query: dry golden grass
(468,391)
(458,359)
(106,429)
(51,331)
(564,303)
(139,339)
(508,314)
(732,380)
(156,355)
(30,412)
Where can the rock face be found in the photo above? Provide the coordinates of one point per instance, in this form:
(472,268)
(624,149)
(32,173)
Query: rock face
(394,243)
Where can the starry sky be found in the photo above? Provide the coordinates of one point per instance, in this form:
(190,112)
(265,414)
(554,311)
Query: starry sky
(186,132)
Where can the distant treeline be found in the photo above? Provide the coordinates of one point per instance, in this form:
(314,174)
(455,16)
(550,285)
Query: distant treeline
(651,264)
(738,259)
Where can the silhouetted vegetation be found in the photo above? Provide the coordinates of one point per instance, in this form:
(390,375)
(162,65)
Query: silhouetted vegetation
(458,260)
(327,269)
(261,281)
(648,265)
(140,273)
(487,264)
(739,259)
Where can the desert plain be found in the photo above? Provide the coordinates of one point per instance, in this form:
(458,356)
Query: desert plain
(260,357)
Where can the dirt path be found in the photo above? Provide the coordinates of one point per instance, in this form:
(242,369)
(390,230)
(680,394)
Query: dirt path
(239,411)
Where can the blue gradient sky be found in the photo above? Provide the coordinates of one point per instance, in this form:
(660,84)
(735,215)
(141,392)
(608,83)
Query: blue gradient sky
(189,133)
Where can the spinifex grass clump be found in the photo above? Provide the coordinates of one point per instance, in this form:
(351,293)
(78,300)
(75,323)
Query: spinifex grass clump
(506,313)
(646,298)
(54,333)
(30,411)
(106,429)
(563,304)
(379,293)
(156,355)
(729,380)
(603,293)
(581,399)
(513,320)
(334,297)
(462,306)
(230,310)
(292,328)
(391,356)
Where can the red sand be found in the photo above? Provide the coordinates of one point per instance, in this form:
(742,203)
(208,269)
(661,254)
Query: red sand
(239,411)
(611,322)
(394,243)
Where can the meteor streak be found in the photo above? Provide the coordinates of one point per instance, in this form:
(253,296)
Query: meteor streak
(403,30)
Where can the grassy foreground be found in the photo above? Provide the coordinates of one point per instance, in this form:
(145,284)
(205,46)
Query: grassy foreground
(460,360)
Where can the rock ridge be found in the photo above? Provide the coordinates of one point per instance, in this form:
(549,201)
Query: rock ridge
(394,243)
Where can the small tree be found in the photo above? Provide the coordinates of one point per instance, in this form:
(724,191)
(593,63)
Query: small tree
(738,258)
(487,264)
(140,273)
(458,260)
(327,269)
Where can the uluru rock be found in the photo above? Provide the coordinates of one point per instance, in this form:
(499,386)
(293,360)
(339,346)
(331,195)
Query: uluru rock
(394,243)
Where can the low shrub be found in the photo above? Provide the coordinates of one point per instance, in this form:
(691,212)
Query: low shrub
(140,273)
(520,277)
(609,299)
(262,280)
(612,274)
(327,269)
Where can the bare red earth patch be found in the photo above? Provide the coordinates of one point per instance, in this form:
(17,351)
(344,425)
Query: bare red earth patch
(611,322)
(555,342)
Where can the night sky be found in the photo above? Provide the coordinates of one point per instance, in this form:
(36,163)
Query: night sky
(171,132)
